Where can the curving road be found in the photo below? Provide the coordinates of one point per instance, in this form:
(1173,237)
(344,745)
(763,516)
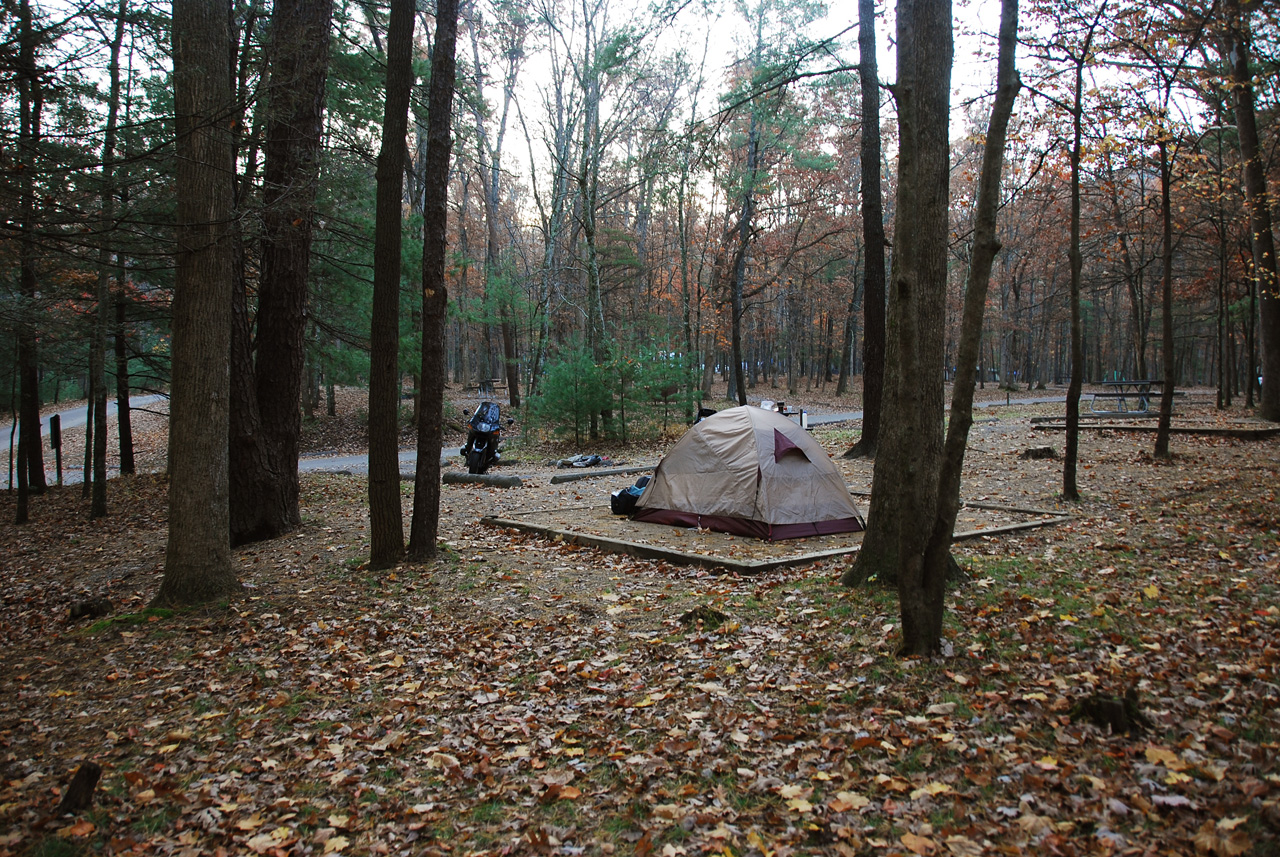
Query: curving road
(359,462)
(70,418)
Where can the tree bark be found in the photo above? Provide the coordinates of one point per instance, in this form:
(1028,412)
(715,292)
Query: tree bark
(103,310)
(737,284)
(938,560)
(904,489)
(198,557)
(1166,298)
(385,527)
(124,422)
(425,525)
(1237,41)
(31,100)
(490,164)
(265,489)
(873,290)
(1070,491)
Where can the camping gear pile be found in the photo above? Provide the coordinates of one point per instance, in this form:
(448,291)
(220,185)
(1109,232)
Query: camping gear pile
(623,502)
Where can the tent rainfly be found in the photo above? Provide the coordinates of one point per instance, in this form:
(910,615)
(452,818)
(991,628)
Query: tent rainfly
(750,472)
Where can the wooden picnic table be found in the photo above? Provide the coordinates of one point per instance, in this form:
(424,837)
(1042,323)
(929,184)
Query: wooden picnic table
(1124,396)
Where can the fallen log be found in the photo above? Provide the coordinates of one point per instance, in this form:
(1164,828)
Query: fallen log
(453,478)
(587,473)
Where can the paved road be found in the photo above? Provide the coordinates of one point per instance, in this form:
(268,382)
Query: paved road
(70,418)
(359,463)
(76,417)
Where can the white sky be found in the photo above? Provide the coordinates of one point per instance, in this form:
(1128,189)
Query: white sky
(726,34)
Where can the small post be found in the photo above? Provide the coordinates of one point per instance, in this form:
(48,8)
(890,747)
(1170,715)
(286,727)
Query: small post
(1006,398)
(55,441)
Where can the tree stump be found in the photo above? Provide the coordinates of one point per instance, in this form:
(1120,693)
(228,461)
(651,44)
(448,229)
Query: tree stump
(708,617)
(91,608)
(1120,714)
(79,795)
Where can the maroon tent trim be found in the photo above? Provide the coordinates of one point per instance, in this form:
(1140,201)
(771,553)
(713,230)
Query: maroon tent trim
(746,527)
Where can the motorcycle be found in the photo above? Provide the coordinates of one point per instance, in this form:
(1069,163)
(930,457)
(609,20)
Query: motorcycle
(481,449)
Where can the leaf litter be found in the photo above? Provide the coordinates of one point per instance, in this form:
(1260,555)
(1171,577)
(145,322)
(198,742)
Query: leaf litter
(524,696)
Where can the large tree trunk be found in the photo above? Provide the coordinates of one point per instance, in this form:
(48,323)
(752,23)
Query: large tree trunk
(425,524)
(1237,39)
(1166,302)
(251,477)
(31,99)
(1070,490)
(873,290)
(265,490)
(904,489)
(124,422)
(938,560)
(103,310)
(252,482)
(737,284)
(589,195)
(385,527)
(198,558)
(489,151)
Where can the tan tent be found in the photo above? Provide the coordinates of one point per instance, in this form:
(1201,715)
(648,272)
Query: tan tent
(752,472)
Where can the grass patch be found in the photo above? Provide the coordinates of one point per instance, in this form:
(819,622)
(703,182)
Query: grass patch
(489,812)
(129,620)
(56,846)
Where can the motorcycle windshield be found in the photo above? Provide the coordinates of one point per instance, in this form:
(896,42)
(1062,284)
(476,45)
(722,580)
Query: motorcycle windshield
(487,417)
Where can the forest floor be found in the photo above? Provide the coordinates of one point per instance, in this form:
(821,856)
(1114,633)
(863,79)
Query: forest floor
(527,696)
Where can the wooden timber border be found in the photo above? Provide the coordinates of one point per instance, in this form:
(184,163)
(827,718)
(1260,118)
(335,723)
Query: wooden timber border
(1237,432)
(736,566)
(587,473)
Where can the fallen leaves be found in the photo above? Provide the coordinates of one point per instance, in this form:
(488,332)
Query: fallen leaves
(496,703)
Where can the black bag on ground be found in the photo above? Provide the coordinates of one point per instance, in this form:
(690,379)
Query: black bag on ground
(623,502)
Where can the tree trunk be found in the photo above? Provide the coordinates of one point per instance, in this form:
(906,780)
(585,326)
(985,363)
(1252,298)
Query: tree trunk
(124,422)
(31,101)
(1237,38)
(905,481)
(198,558)
(265,489)
(90,425)
(873,290)
(385,527)
(737,283)
(1070,491)
(103,310)
(424,527)
(1166,299)
(938,560)
(847,342)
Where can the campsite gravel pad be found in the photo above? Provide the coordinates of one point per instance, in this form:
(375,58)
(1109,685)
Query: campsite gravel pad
(597,522)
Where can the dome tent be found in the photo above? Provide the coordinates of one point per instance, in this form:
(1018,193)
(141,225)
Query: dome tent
(750,472)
